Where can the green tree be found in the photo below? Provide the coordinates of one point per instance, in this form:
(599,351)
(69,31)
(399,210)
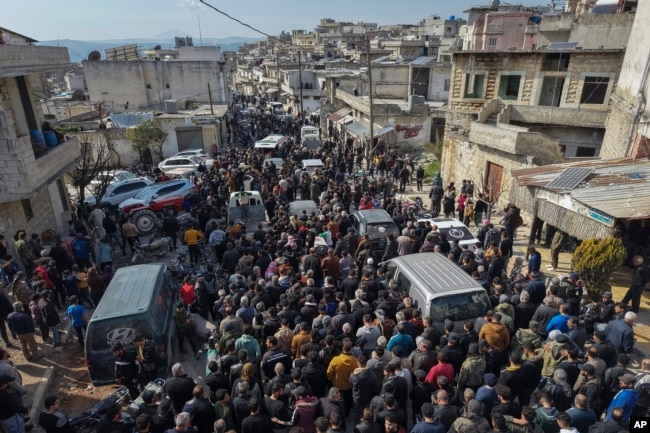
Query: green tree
(149,139)
(595,260)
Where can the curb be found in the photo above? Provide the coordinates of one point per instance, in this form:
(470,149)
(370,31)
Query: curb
(39,395)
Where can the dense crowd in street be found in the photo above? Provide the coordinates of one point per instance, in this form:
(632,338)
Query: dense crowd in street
(314,340)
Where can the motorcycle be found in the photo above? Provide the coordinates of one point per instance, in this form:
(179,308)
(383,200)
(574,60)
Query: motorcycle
(155,249)
(87,422)
(209,351)
(156,386)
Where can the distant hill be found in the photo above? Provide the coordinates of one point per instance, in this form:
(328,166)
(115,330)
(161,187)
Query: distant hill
(79,50)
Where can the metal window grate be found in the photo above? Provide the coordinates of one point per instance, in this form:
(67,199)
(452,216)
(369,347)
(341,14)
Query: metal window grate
(569,178)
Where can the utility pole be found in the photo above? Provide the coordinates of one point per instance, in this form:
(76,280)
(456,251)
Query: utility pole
(277,62)
(372,118)
(210,96)
(302,109)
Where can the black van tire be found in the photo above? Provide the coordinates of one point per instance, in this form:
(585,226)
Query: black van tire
(145,220)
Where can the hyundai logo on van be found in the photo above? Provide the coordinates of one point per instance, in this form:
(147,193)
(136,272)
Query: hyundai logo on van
(120,335)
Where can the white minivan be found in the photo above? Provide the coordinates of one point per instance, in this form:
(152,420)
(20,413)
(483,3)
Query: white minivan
(440,288)
(311,165)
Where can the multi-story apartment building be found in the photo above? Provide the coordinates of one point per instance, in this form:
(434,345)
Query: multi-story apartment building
(33,196)
(513,109)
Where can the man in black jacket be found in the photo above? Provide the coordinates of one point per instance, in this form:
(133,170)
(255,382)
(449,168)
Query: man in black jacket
(178,388)
(171,227)
(11,411)
(22,325)
(127,370)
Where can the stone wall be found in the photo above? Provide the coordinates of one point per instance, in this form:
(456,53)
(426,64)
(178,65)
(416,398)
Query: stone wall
(13,218)
(617,128)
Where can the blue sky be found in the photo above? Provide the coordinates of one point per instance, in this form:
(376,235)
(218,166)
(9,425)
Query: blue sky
(117,19)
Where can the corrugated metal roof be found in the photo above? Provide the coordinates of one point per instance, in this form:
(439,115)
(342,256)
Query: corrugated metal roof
(362,129)
(339,114)
(424,60)
(620,187)
(358,129)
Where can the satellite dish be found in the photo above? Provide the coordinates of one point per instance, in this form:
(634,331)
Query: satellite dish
(94,56)
(157,47)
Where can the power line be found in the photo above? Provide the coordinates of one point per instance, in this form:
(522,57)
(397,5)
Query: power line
(244,24)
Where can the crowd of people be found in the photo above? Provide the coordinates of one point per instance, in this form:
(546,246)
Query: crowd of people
(327,341)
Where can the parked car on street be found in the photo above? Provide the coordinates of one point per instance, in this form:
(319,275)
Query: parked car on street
(183,162)
(111,176)
(158,191)
(119,191)
(199,153)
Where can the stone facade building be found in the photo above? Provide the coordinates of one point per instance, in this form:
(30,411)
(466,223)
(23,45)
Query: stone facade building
(516,109)
(33,196)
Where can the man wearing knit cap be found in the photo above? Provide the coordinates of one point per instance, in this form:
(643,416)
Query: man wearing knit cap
(473,422)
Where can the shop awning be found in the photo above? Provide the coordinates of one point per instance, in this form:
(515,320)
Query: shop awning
(356,128)
(344,120)
(383,131)
(363,129)
(271,90)
(339,114)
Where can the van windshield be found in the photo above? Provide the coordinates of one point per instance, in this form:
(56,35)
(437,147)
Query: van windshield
(103,336)
(461,307)
(380,230)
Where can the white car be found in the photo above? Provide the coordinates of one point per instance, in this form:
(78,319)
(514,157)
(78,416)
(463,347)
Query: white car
(160,190)
(119,191)
(453,229)
(183,162)
(111,176)
(199,153)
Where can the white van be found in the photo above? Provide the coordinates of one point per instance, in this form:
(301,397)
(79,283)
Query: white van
(311,165)
(256,209)
(308,130)
(271,142)
(440,288)
(277,108)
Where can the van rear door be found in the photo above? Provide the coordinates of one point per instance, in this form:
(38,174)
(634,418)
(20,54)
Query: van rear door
(100,337)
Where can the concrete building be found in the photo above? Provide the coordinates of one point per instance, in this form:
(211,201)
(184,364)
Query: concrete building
(33,196)
(146,84)
(496,28)
(511,110)
(628,123)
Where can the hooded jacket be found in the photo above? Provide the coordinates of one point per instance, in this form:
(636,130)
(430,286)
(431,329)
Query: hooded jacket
(340,369)
(364,386)
(304,413)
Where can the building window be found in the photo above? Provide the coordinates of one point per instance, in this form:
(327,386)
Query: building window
(509,87)
(27,208)
(556,62)
(594,90)
(585,152)
(447,82)
(148,86)
(474,87)
(492,42)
